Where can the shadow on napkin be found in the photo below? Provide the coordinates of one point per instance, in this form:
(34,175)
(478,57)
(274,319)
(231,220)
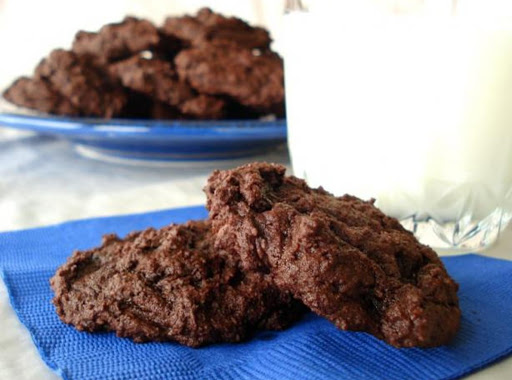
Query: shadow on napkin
(311,349)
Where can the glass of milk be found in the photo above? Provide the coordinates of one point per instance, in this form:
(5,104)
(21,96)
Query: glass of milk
(408,102)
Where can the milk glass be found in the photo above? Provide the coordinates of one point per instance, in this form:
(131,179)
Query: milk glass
(409,103)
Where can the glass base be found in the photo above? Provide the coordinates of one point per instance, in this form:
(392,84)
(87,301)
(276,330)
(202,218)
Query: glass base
(463,236)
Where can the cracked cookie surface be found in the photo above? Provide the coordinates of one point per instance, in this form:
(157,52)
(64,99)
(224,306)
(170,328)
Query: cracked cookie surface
(82,83)
(253,80)
(168,285)
(208,27)
(36,93)
(118,40)
(341,256)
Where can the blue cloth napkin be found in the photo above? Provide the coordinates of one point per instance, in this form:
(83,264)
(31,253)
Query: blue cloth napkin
(311,349)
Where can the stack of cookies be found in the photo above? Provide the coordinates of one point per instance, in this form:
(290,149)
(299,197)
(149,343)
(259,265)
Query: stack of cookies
(206,66)
(271,249)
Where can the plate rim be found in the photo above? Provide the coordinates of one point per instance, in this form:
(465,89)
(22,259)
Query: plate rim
(137,128)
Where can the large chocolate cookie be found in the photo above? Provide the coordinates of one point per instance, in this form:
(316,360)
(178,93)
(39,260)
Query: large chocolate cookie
(341,256)
(36,93)
(208,27)
(168,284)
(253,79)
(120,40)
(81,82)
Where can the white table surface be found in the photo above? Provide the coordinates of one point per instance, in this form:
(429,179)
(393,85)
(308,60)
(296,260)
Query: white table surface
(44,181)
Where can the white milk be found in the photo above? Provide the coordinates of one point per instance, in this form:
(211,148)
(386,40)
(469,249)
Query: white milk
(415,111)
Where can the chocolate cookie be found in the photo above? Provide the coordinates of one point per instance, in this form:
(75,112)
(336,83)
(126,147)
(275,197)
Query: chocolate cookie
(84,84)
(341,256)
(253,79)
(168,285)
(37,94)
(154,78)
(208,27)
(118,40)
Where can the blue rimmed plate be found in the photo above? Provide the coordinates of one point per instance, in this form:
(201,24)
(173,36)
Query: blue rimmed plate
(164,140)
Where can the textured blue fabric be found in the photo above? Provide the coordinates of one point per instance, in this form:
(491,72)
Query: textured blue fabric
(311,349)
